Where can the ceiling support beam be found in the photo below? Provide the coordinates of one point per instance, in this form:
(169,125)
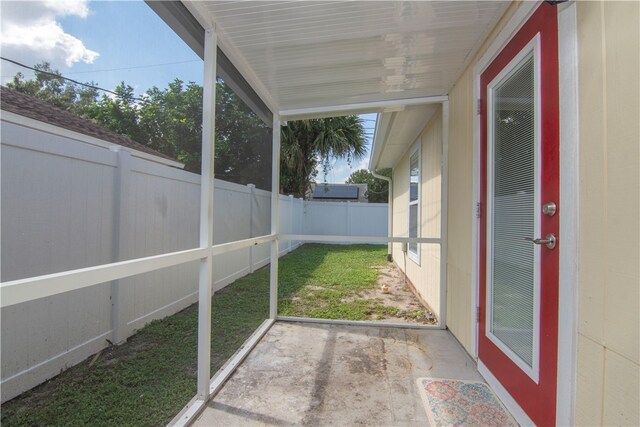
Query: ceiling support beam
(444,211)
(359,108)
(275,219)
(206,214)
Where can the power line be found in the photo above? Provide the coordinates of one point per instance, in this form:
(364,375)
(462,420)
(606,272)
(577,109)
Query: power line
(59,76)
(135,67)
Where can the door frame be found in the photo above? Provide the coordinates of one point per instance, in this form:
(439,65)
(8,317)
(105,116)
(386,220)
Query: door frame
(569,227)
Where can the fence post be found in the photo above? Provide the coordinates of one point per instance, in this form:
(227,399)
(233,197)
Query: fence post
(291,221)
(303,220)
(122,207)
(348,220)
(251,197)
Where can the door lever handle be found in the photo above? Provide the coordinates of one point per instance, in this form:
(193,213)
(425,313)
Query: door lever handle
(549,241)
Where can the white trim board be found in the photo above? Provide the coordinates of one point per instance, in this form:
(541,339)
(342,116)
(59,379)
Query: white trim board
(387,106)
(416,148)
(444,212)
(569,207)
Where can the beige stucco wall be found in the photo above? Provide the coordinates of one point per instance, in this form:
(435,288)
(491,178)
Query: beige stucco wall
(426,275)
(609,255)
(459,301)
(609,280)
(462,107)
(608,366)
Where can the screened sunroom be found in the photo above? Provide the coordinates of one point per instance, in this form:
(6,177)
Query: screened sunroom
(454,85)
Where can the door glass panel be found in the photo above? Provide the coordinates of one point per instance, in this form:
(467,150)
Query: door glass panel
(513,258)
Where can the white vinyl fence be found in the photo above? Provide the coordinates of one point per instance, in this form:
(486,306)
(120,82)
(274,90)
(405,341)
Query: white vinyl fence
(67,203)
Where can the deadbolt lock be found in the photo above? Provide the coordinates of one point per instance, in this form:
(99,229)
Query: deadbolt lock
(549,208)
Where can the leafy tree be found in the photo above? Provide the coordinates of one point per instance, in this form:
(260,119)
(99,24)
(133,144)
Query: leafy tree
(118,114)
(49,86)
(173,120)
(243,141)
(378,189)
(309,143)
(170,121)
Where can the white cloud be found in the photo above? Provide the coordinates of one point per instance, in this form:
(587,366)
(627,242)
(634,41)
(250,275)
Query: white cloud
(340,170)
(364,164)
(68,7)
(48,39)
(31,30)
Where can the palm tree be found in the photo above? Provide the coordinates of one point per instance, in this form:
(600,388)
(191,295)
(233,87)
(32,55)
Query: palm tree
(309,143)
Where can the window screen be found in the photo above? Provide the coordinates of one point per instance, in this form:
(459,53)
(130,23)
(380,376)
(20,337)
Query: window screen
(414,200)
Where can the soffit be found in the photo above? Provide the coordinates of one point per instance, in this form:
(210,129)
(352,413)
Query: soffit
(396,132)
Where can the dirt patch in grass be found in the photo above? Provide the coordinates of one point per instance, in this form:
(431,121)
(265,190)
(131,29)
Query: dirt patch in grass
(346,283)
(392,291)
(391,300)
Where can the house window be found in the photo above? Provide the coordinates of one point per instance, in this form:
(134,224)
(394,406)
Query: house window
(414,203)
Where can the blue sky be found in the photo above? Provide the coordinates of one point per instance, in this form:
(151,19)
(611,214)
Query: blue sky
(108,42)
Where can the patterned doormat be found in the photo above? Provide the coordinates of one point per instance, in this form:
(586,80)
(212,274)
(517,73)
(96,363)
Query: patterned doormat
(462,403)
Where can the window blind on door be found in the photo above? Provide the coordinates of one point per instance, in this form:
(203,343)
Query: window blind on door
(513,258)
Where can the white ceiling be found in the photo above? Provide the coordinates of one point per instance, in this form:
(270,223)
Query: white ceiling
(314,54)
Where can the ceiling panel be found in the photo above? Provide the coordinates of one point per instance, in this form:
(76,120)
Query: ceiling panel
(308,54)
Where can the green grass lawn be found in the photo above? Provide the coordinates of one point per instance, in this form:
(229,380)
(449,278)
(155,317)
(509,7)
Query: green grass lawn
(147,381)
(324,282)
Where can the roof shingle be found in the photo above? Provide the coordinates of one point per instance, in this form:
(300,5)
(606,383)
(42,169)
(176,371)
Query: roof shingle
(37,109)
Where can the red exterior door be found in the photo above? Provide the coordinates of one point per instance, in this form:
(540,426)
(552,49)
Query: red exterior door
(518,328)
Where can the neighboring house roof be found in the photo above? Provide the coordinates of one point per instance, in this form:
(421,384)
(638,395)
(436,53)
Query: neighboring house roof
(338,191)
(37,109)
(330,191)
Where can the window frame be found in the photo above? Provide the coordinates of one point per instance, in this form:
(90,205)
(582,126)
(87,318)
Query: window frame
(417,150)
(531,49)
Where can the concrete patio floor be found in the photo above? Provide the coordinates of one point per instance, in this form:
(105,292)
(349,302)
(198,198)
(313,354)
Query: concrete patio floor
(318,374)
